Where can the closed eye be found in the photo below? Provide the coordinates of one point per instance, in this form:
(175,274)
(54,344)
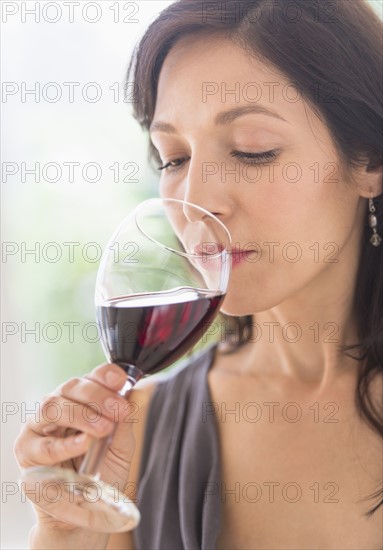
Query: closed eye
(247,158)
(255,158)
(173,165)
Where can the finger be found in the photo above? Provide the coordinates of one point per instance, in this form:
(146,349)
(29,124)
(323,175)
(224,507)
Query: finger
(113,376)
(90,392)
(58,414)
(110,375)
(32,449)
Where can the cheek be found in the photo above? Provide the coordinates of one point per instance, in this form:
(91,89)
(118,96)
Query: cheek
(297,203)
(171,187)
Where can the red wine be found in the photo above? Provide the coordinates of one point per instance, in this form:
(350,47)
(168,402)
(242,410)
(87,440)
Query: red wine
(151,331)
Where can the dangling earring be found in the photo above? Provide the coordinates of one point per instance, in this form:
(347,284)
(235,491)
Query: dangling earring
(373,222)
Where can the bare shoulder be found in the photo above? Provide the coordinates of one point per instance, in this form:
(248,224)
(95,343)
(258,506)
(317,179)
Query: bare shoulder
(141,397)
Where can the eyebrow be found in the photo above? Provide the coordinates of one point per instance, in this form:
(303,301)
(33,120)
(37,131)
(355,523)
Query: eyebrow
(227,117)
(222,119)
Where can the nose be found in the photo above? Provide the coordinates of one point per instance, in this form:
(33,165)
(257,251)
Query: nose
(202,233)
(207,193)
(211,196)
(193,214)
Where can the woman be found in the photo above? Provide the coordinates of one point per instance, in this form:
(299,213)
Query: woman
(269,115)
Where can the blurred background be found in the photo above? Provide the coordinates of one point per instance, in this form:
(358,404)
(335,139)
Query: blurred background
(74,162)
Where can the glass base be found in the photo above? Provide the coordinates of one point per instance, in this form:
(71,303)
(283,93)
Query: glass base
(80,500)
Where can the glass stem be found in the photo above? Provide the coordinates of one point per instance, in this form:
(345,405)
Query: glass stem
(95,455)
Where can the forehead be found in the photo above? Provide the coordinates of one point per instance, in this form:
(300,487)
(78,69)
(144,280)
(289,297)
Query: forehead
(202,49)
(203,75)
(198,60)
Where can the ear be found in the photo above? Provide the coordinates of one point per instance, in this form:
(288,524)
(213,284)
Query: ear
(369,181)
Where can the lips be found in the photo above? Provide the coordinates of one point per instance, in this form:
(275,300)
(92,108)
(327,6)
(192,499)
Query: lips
(240,255)
(208,250)
(209,256)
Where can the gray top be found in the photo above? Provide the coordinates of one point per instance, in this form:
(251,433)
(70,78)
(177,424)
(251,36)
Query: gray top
(178,494)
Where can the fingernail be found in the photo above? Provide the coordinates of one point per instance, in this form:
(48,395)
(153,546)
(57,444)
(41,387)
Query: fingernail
(112,377)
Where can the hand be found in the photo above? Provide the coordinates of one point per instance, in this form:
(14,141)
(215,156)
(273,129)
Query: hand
(80,411)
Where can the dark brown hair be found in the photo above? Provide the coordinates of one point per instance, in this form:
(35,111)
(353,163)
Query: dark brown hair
(332,51)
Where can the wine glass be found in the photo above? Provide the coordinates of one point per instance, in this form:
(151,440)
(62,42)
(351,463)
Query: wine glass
(161,281)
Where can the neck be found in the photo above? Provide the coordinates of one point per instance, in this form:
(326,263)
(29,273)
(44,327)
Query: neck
(299,340)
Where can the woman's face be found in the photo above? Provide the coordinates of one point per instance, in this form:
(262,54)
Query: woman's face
(238,139)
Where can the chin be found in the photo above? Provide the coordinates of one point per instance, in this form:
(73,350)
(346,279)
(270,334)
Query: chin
(234,308)
(238,305)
